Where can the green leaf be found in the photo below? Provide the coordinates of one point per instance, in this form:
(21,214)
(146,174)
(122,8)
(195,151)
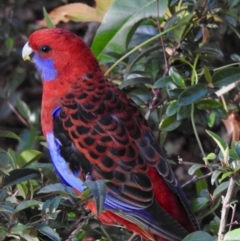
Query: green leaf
(184,112)
(162,82)
(9,134)
(226,76)
(211,156)
(49,232)
(199,203)
(20,228)
(199,236)
(135,81)
(118,21)
(29,156)
(172,108)
(9,42)
(225,175)
(27,204)
(169,123)
(220,142)
(207,74)
(221,188)
(177,78)
(47,19)
(208,104)
(98,190)
(211,119)
(210,48)
(23,108)
(200,184)
(220,112)
(57,188)
(173,91)
(194,168)
(232,235)
(192,94)
(20,175)
(215,175)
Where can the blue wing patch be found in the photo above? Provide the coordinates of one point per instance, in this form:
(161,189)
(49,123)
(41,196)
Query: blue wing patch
(61,166)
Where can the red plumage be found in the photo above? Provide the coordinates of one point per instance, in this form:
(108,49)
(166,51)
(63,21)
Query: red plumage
(104,135)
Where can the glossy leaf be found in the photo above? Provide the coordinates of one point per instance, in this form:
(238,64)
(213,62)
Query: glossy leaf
(177,78)
(184,112)
(23,108)
(210,49)
(57,188)
(192,94)
(162,82)
(20,175)
(29,156)
(49,232)
(170,123)
(194,168)
(232,235)
(172,108)
(27,204)
(226,76)
(221,188)
(98,190)
(220,142)
(208,104)
(207,74)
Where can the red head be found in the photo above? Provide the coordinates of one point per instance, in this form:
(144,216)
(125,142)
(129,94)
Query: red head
(59,54)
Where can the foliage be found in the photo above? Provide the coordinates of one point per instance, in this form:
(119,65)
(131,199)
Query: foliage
(170,57)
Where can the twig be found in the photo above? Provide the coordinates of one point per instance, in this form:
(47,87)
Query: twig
(226,89)
(167,64)
(195,179)
(233,214)
(132,236)
(225,208)
(17,114)
(105,233)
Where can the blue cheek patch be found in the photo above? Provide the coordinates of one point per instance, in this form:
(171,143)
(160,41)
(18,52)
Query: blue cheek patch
(45,67)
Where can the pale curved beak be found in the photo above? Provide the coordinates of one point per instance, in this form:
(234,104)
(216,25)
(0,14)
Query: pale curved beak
(27,52)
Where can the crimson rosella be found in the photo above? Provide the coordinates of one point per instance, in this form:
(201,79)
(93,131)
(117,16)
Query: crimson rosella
(95,131)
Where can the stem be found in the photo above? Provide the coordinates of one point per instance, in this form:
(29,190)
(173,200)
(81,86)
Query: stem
(233,214)
(105,233)
(195,132)
(195,179)
(225,209)
(17,114)
(225,66)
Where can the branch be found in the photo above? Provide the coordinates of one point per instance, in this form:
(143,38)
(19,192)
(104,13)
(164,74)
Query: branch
(225,209)
(195,179)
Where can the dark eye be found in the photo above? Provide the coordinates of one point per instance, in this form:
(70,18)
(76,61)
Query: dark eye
(45,49)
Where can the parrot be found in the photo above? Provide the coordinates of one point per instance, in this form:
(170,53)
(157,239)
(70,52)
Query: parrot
(95,131)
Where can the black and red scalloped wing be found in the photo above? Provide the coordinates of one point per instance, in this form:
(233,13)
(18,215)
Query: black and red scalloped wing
(110,140)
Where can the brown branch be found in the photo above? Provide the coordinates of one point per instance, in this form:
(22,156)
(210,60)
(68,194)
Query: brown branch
(233,214)
(225,208)
(195,179)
